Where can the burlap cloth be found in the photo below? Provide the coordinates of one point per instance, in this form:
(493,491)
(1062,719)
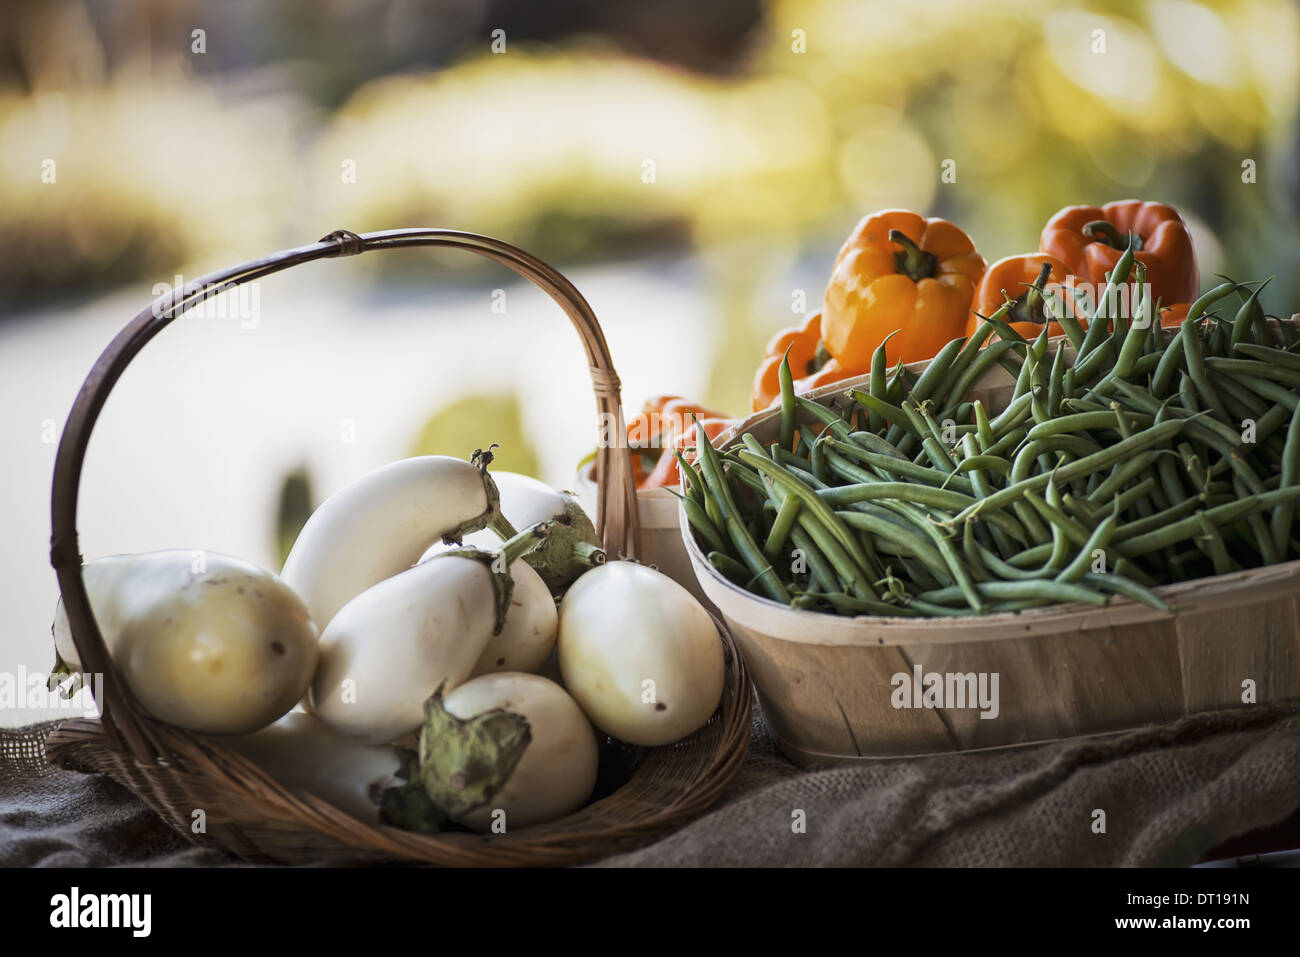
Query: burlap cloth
(1168,793)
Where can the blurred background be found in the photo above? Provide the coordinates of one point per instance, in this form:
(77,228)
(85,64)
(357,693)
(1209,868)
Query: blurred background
(692,167)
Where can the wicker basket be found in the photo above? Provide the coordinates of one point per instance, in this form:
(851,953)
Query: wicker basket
(249,813)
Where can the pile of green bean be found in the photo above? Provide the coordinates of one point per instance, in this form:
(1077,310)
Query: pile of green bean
(1136,457)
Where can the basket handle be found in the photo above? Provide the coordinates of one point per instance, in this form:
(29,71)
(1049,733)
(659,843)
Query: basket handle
(617,521)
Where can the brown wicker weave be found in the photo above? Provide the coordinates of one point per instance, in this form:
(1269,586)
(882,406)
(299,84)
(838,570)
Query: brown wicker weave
(246,811)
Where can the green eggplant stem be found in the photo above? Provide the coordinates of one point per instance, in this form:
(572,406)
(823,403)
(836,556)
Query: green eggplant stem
(521,543)
(501,525)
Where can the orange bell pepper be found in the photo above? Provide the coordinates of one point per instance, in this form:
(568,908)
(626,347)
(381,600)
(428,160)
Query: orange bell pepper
(667,471)
(802,341)
(1091,239)
(1174,315)
(899,271)
(832,371)
(663,424)
(1021,279)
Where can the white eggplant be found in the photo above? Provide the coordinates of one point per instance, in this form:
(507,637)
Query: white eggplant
(523,501)
(301,752)
(527,638)
(639,654)
(204,641)
(557,771)
(387,650)
(526,501)
(380,524)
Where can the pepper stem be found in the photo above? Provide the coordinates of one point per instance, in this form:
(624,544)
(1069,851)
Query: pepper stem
(1108,233)
(913,261)
(1029,306)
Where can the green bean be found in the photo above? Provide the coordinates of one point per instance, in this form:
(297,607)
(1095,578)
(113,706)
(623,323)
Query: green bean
(983,428)
(886,410)
(936,369)
(1260,536)
(1060,543)
(736,531)
(1214,546)
(1084,466)
(1006,570)
(1083,509)
(1146,364)
(786,514)
(694,483)
(786,380)
(926,495)
(1129,351)
(1269,354)
(1055,382)
(1266,389)
(874,443)
(1073,530)
(1171,533)
(818,457)
(713,512)
(952,559)
(1127,568)
(993,463)
(731,568)
(878,382)
(1283,516)
(848,603)
(903,467)
(1128,589)
(885,529)
(702,524)
(1254,367)
(1006,332)
(1099,539)
(1081,421)
(819,569)
(981,364)
(1034,590)
(1201,305)
(970,353)
(932,440)
(1169,364)
(847,569)
(1011,416)
(1008,443)
(1246,315)
(812,503)
(1242,403)
(1025,378)
(1121,475)
(1198,426)
(1066,319)
(839,428)
(796,466)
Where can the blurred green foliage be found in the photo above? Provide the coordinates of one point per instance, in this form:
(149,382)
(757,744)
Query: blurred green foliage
(292,511)
(477,422)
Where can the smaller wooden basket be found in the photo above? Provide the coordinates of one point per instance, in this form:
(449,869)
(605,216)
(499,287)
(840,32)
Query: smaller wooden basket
(826,682)
(248,812)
